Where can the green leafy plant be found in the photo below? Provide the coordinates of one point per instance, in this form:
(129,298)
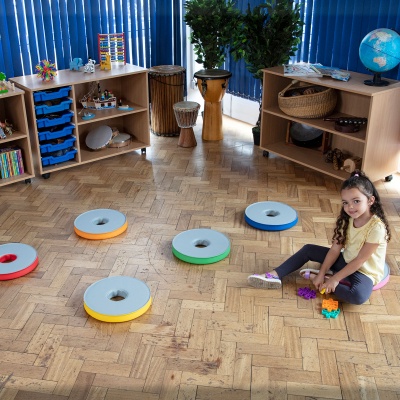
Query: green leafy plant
(213,23)
(268,35)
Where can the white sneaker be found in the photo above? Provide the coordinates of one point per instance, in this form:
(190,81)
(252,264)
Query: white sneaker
(266,281)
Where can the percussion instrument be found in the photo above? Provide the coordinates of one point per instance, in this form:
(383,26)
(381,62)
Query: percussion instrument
(166,88)
(212,84)
(186,113)
(99,137)
(120,140)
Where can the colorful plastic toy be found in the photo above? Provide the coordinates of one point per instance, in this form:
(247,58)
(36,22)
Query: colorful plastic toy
(330,304)
(106,62)
(89,67)
(306,293)
(75,64)
(330,314)
(46,70)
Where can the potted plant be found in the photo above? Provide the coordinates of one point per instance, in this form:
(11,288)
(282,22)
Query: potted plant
(268,36)
(212,23)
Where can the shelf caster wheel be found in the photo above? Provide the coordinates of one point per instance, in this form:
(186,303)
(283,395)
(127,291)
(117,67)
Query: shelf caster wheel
(265,153)
(46,176)
(143,150)
(388,178)
(28,180)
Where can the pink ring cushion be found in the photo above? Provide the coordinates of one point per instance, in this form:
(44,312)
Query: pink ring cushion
(380,284)
(16,260)
(385,279)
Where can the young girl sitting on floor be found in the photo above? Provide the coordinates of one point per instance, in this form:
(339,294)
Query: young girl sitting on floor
(356,260)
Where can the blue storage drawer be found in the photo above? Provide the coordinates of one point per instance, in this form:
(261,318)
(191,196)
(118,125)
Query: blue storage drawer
(57,160)
(50,148)
(61,131)
(51,94)
(48,109)
(55,119)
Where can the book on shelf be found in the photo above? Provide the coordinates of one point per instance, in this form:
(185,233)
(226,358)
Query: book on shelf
(315,71)
(11,163)
(333,72)
(301,69)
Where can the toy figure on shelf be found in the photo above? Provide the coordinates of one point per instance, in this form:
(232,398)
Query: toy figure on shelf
(106,62)
(75,64)
(101,101)
(46,70)
(6,128)
(89,67)
(3,88)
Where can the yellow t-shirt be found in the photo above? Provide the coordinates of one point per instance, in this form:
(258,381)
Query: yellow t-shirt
(374,231)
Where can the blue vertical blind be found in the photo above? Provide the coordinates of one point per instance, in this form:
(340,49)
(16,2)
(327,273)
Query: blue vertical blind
(59,30)
(332,35)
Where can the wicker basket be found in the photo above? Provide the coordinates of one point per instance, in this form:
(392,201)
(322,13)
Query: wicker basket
(315,105)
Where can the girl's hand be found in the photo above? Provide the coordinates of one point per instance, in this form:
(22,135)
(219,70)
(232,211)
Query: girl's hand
(329,285)
(319,280)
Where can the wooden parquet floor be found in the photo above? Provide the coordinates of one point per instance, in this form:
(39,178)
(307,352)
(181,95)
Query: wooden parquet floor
(207,335)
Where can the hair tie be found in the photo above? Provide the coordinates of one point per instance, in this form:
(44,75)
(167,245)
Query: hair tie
(356,175)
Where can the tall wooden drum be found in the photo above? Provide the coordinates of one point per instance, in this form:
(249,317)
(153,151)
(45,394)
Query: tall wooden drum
(166,88)
(212,84)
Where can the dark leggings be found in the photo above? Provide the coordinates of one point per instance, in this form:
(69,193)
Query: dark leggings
(359,286)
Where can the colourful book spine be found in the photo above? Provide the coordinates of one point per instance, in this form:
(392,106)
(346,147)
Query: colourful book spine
(5,165)
(14,157)
(20,162)
(2,167)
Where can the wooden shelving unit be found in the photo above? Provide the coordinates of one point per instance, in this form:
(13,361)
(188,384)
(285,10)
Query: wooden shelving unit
(377,143)
(12,108)
(126,82)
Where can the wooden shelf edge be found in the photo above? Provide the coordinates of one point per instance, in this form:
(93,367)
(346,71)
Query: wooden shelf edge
(309,158)
(320,124)
(14,179)
(88,156)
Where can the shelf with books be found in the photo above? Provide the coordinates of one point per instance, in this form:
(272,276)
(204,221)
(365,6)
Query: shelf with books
(15,149)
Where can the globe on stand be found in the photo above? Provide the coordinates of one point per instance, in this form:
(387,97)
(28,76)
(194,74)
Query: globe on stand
(380,52)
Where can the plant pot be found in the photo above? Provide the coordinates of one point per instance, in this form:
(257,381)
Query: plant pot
(256,135)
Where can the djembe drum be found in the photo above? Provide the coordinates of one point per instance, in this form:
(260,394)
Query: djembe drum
(212,84)
(186,113)
(166,88)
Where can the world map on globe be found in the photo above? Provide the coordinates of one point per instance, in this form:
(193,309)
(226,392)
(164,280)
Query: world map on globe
(380,50)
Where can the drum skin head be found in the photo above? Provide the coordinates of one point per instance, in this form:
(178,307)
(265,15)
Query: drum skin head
(99,137)
(212,74)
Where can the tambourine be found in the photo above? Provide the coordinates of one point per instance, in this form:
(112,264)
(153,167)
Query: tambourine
(120,140)
(99,138)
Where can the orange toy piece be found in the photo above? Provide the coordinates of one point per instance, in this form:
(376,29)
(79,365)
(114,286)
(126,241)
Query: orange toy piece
(330,304)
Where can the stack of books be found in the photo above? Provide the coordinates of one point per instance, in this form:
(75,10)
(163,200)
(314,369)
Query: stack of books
(11,163)
(315,71)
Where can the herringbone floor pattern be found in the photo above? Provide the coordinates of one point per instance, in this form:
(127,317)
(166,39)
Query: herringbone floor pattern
(208,335)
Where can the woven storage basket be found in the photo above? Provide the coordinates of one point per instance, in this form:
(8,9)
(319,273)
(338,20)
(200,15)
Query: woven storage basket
(315,105)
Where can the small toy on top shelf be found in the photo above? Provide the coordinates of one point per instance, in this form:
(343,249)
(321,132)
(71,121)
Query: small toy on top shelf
(89,67)
(46,70)
(106,62)
(5,86)
(75,64)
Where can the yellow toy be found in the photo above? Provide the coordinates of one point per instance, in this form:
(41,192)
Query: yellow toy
(106,64)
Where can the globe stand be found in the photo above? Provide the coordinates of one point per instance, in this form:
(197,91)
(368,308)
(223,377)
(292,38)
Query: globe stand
(376,81)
